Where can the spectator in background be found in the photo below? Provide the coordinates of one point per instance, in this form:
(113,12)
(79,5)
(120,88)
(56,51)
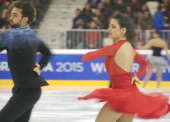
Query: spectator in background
(139,27)
(2,7)
(98,22)
(40,5)
(92,25)
(135,5)
(144,8)
(76,39)
(6,21)
(78,15)
(137,15)
(6,3)
(36,5)
(140,35)
(80,21)
(101,7)
(159,21)
(87,13)
(146,21)
(100,19)
(166,3)
(166,13)
(92,37)
(80,38)
(108,7)
(93,3)
(130,12)
(120,6)
(6,10)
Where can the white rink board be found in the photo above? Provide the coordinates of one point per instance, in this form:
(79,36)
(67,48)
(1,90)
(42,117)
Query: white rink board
(83,51)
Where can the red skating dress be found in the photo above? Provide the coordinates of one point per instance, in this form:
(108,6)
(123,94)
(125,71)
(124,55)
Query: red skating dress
(124,97)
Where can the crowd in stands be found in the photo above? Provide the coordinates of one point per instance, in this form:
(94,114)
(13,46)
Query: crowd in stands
(6,7)
(97,14)
(101,11)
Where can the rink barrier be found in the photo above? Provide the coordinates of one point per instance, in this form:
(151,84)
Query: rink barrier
(83,38)
(86,83)
(63,75)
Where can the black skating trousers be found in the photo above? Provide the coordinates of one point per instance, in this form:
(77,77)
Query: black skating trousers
(19,106)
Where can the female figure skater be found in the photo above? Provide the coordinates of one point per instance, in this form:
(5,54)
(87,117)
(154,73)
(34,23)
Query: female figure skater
(156,60)
(124,100)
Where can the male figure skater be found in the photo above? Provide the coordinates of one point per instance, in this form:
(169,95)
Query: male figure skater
(22,44)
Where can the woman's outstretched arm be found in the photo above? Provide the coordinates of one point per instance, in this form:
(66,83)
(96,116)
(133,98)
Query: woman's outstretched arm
(105,51)
(148,45)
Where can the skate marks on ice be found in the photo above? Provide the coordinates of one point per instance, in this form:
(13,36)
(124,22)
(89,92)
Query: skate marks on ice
(63,106)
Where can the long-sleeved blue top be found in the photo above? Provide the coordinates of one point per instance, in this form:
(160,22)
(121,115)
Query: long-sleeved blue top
(22,44)
(159,22)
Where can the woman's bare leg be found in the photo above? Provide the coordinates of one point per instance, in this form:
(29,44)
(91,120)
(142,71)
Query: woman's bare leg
(106,114)
(126,118)
(148,75)
(159,76)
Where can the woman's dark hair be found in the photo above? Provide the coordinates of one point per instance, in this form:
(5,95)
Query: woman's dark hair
(27,10)
(158,32)
(125,22)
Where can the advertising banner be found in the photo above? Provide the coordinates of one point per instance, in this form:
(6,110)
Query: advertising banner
(71,67)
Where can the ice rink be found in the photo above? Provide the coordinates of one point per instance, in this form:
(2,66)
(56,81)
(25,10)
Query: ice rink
(61,105)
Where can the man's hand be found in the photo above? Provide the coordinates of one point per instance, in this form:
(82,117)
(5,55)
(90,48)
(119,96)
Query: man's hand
(37,69)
